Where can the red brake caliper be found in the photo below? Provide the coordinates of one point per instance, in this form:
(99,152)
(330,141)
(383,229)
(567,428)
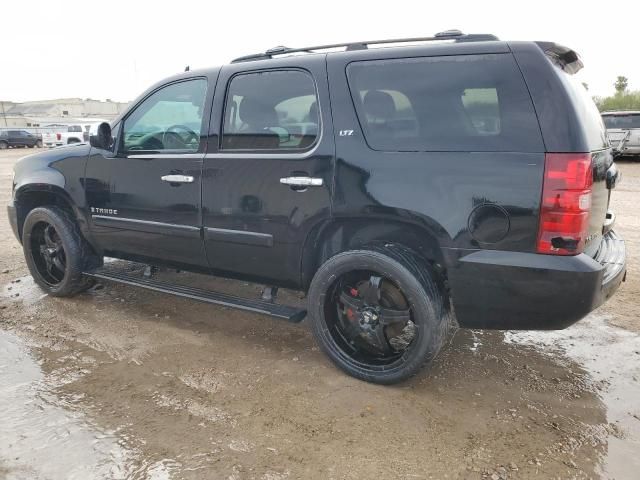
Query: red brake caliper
(350,313)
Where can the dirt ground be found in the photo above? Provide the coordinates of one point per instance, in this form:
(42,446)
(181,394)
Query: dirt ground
(124,383)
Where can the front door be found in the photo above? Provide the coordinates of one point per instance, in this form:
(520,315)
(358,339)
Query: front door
(268,174)
(144,196)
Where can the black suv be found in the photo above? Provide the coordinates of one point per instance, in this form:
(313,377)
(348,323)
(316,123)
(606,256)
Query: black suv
(402,188)
(19,138)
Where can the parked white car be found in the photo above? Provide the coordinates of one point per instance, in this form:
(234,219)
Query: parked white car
(64,136)
(623,130)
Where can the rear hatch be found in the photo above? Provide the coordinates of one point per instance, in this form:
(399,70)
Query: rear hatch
(623,127)
(605,173)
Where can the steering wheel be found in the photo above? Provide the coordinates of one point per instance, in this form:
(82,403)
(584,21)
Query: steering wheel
(169,135)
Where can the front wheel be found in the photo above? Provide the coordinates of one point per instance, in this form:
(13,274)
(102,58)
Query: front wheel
(378,314)
(56,252)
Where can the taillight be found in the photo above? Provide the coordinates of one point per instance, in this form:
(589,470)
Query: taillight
(566,201)
(59,136)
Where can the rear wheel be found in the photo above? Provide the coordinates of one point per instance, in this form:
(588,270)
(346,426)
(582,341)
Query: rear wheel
(378,314)
(3,145)
(56,253)
(39,144)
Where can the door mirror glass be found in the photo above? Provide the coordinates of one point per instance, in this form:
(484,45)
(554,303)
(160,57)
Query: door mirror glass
(102,139)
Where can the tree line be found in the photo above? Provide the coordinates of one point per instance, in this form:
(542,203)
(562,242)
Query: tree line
(623,99)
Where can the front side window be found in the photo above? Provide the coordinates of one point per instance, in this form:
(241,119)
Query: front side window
(453,103)
(273,110)
(169,119)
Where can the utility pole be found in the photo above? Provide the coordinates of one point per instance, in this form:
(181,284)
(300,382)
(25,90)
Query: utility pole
(4,115)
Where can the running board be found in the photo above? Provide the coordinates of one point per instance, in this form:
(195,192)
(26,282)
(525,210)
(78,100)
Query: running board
(284,312)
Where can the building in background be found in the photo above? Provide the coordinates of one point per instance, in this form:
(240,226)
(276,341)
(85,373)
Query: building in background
(62,111)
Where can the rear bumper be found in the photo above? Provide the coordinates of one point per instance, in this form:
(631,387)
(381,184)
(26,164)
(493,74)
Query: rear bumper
(510,290)
(630,150)
(13,219)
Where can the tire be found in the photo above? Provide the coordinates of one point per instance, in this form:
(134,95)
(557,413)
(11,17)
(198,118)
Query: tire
(416,281)
(39,144)
(3,145)
(75,257)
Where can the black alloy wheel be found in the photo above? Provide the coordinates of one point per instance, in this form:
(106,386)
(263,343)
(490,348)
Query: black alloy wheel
(48,253)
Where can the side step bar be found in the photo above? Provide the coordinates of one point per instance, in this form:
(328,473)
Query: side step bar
(284,312)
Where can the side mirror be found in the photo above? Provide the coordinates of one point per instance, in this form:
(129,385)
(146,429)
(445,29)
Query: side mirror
(103,138)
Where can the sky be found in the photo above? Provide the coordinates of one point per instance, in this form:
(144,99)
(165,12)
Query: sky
(116,49)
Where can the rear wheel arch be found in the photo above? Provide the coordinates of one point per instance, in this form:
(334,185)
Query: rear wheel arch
(337,236)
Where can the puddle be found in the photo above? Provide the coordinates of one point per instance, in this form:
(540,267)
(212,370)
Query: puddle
(611,356)
(42,437)
(44,434)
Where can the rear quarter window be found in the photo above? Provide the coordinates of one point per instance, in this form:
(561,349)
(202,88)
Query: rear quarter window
(453,103)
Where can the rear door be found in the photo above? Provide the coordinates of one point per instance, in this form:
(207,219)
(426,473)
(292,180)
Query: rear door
(268,173)
(28,138)
(623,127)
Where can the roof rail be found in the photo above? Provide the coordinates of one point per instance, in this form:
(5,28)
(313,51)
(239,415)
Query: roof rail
(455,35)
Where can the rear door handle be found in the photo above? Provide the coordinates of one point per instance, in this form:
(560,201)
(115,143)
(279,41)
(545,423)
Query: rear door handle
(177,178)
(302,181)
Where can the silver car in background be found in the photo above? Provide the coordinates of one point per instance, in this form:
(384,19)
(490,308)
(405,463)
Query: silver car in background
(623,130)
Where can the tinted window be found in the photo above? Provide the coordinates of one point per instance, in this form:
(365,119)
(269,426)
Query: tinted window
(457,103)
(74,128)
(622,121)
(169,119)
(271,111)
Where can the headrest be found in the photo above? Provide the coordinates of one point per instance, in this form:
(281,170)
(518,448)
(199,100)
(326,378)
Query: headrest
(379,104)
(313,112)
(253,112)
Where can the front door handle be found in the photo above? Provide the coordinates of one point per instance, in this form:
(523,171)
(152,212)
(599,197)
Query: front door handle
(302,181)
(177,178)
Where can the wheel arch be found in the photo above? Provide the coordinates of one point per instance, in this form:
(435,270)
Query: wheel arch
(34,195)
(339,235)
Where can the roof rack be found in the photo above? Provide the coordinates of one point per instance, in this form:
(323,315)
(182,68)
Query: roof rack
(455,35)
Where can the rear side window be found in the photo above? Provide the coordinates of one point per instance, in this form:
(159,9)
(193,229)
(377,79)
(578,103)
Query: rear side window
(453,103)
(622,121)
(271,110)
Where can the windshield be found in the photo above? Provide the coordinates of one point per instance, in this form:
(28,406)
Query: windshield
(622,121)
